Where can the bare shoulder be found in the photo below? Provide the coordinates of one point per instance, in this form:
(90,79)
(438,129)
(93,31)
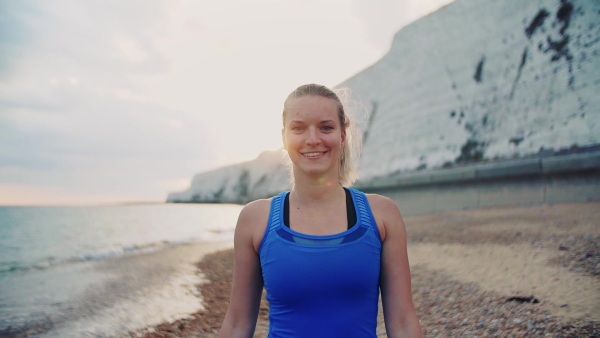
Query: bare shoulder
(382,205)
(386,213)
(252,221)
(255,211)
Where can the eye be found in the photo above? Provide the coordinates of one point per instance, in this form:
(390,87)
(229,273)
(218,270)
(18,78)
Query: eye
(327,128)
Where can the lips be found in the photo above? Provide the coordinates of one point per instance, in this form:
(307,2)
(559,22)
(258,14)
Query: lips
(313,154)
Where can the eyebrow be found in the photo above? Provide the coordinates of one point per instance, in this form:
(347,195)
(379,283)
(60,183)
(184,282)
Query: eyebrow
(320,122)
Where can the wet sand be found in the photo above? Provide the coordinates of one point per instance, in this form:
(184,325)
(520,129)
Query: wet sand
(497,272)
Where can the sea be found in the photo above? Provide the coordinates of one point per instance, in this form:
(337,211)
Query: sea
(104,271)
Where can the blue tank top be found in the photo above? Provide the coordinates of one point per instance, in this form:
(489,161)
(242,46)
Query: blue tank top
(322,286)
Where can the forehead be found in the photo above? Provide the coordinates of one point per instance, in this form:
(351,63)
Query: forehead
(311,107)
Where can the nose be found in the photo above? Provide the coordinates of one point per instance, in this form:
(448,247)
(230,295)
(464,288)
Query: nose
(312,136)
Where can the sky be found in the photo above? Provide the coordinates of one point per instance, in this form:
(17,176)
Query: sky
(112,101)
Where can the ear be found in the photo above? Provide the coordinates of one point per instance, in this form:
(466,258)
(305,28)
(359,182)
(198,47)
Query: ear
(343,136)
(283,138)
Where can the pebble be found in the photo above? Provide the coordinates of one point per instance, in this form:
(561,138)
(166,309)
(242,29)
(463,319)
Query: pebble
(445,307)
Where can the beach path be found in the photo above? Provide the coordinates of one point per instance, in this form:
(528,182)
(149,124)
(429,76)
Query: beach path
(521,271)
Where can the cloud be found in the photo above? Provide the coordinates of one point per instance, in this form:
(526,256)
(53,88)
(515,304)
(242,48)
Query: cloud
(74,112)
(119,98)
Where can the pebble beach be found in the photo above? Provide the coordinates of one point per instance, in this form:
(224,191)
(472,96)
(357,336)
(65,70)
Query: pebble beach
(494,272)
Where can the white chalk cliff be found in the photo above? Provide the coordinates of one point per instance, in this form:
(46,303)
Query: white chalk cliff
(239,183)
(476,80)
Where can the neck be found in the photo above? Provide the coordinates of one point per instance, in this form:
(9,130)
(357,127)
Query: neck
(316,190)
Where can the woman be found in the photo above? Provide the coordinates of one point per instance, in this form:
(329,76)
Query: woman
(321,251)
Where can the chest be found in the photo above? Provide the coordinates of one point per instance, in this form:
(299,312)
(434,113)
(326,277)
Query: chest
(320,220)
(300,273)
(323,219)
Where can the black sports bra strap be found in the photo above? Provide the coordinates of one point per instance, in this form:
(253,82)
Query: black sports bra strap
(350,210)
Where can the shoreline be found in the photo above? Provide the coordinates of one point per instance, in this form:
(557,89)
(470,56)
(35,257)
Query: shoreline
(479,272)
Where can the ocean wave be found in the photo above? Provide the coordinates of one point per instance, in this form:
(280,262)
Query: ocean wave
(99,255)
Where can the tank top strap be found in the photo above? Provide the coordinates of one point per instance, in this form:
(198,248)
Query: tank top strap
(276,211)
(275,216)
(363,210)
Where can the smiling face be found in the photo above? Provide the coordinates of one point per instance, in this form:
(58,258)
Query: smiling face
(314,137)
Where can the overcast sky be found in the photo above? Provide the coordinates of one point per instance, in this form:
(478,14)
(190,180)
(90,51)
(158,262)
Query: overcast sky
(109,101)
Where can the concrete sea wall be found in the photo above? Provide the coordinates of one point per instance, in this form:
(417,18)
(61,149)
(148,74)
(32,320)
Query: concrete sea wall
(522,182)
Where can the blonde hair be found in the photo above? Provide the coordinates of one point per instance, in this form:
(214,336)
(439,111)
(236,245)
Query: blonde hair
(351,150)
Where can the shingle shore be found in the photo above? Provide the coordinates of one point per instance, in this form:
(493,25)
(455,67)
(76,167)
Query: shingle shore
(446,306)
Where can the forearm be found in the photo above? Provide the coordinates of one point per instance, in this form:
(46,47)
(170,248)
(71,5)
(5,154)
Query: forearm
(234,333)
(236,329)
(408,328)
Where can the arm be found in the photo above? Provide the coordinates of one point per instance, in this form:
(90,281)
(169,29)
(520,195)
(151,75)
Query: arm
(246,290)
(398,308)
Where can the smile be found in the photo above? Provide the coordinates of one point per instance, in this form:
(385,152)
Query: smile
(313,154)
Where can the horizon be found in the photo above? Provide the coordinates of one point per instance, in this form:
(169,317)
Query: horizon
(116,102)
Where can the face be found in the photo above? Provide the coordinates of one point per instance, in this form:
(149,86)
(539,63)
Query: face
(313,136)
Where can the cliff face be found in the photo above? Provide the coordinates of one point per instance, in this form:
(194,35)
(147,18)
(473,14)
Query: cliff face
(476,80)
(240,183)
(483,80)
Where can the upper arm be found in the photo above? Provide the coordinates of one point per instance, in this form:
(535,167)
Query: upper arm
(395,280)
(247,283)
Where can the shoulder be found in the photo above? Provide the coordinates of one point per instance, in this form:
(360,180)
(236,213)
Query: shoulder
(381,203)
(386,213)
(255,211)
(382,206)
(252,221)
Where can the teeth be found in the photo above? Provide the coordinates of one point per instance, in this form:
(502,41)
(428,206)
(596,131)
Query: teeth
(312,154)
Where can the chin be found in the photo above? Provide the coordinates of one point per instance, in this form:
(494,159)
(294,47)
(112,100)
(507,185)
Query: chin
(316,171)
